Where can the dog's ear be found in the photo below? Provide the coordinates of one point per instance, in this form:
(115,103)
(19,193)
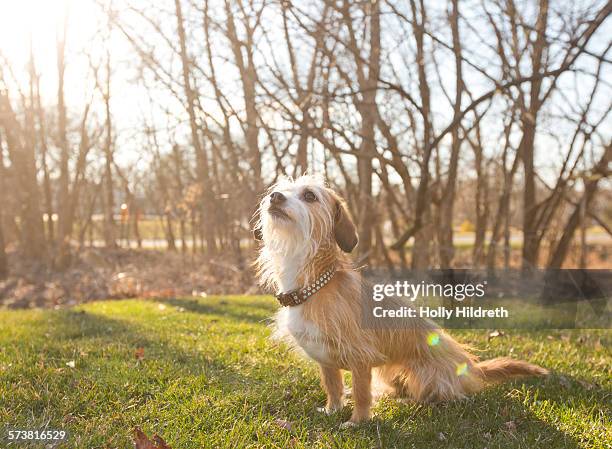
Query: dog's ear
(345,232)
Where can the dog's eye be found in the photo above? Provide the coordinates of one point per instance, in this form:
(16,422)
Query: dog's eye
(309,196)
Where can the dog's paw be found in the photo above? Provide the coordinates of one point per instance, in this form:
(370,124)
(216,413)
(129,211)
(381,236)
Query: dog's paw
(348,425)
(329,410)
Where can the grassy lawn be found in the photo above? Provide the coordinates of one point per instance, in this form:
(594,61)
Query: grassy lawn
(210,377)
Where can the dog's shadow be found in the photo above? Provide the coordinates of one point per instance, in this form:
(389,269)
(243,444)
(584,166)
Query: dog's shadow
(510,415)
(223,308)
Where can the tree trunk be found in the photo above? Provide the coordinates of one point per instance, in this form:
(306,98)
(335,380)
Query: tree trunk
(87,226)
(447,201)
(369,116)
(178,176)
(183,231)
(170,233)
(601,170)
(527,149)
(48,195)
(3,258)
(507,236)
(136,225)
(583,235)
(503,207)
(64,177)
(248,76)
(201,157)
(368,112)
(482,202)
(422,225)
(110,233)
(529,198)
(24,166)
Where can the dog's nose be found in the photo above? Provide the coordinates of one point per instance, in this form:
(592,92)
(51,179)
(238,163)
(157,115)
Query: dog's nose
(277,198)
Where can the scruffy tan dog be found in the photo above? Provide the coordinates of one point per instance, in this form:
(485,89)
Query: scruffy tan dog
(306,233)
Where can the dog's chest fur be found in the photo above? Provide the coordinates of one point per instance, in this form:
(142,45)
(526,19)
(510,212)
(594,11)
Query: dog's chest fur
(290,322)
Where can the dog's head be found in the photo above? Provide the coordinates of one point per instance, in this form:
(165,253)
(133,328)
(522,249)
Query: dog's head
(303,215)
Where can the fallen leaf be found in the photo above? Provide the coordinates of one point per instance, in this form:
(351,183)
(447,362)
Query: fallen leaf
(68,418)
(141,441)
(496,333)
(161,444)
(284,424)
(564,381)
(71,364)
(510,426)
(584,384)
(139,353)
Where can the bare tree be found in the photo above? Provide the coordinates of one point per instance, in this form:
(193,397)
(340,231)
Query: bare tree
(21,154)
(422,115)
(3,258)
(201,156)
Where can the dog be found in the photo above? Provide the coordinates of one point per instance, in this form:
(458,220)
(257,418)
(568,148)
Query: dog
(306,235)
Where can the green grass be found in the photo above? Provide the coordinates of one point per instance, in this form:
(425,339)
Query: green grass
(211,378)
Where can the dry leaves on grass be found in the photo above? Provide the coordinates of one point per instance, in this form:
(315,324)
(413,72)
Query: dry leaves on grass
(102,273)
(565,382)
(141,441)
(510,426)
(586,385)
(139,353)
(284,424)
(496,333)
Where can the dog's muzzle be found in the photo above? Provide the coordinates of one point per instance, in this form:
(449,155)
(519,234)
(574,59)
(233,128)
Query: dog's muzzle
(278,212)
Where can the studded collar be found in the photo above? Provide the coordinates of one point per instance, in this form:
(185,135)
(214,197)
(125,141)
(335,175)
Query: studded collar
(299,296)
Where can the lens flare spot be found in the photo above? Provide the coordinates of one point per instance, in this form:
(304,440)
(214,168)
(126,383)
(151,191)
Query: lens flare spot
(462,369)
(433,339)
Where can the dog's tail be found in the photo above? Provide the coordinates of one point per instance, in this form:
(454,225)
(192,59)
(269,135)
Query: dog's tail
(504,368)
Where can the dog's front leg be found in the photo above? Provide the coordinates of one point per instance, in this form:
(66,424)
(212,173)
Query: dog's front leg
(362,395)
(331,380)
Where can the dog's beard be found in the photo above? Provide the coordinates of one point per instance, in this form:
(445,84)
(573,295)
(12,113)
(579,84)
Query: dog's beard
(291,242)
(286,231)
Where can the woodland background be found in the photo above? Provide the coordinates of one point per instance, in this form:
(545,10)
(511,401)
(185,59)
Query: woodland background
(137,137)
